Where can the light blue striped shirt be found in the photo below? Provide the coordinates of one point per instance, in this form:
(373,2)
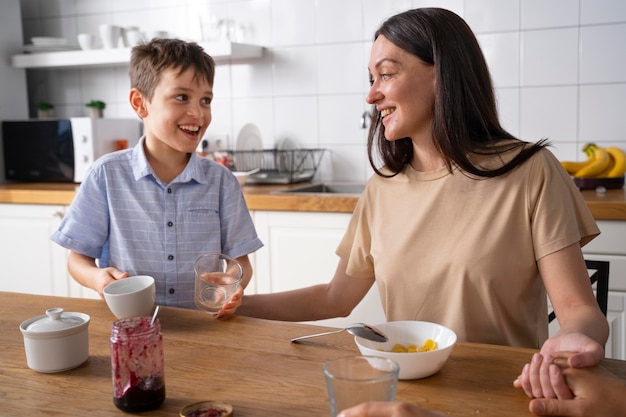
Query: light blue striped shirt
(125,217)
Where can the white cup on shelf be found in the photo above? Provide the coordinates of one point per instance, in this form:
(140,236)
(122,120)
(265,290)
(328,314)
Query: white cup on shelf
(87,41)
(134,37)
(110,35)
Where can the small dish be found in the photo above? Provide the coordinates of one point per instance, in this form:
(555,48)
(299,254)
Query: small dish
(207,409)
(48,41)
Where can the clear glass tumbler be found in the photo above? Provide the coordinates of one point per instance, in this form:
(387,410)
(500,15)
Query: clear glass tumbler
(217,279)
(137,364)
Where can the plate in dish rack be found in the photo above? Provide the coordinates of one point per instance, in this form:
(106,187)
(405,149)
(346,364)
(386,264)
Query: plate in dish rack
(248,139)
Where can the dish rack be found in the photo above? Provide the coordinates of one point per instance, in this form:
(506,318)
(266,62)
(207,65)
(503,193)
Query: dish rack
(277,166)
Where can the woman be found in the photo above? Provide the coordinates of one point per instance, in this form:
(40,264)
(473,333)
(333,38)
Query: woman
(463,224)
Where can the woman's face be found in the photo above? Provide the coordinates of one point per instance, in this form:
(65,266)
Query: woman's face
(403,90)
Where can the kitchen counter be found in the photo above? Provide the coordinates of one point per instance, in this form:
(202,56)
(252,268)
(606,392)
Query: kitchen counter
(610,205)
(246,362)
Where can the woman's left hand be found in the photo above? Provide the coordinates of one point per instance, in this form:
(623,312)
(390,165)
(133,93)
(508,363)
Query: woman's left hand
(538,382)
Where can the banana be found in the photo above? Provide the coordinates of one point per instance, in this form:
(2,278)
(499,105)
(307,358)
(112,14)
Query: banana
(608,169)
(572,167)
(619,166)
(601,161)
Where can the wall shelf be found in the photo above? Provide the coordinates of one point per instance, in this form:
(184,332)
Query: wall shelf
(222,53)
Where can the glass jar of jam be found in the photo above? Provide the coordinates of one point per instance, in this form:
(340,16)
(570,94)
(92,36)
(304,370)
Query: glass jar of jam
(137,364)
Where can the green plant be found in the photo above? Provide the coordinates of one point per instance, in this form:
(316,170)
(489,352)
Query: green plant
(96,104)
(44,106)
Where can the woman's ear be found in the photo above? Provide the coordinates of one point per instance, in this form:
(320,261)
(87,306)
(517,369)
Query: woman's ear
(138,102)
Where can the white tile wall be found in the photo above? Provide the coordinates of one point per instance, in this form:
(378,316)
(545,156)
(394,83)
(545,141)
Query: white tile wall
(557,66)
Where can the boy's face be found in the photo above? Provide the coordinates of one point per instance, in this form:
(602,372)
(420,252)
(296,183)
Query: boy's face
(179,112)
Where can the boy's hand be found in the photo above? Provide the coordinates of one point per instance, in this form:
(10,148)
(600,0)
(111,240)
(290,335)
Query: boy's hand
(231,306)
(105,276)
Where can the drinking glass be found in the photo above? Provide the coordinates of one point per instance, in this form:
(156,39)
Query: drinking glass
(217,278)
(356,379)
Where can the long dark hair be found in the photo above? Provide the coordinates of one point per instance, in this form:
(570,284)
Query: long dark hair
(465,116)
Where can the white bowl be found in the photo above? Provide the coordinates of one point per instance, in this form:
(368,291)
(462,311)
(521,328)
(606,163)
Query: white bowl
(87,41)
(131,297)
(48,41)
(412,365)
(242,177)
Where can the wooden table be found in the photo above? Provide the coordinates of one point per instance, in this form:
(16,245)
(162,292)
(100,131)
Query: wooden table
(247,362)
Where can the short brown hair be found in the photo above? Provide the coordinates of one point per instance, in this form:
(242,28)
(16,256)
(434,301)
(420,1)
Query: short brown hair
(149,60)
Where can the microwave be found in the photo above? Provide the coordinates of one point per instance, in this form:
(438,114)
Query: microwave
(62,150)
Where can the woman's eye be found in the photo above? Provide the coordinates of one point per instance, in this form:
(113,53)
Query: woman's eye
(384,76)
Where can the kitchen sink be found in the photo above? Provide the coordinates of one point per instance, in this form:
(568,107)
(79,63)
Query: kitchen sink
(350,188)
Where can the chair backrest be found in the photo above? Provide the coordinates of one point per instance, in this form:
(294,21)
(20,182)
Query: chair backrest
(600,277)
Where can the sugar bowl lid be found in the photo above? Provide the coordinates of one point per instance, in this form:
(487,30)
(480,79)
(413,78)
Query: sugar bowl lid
(55,320)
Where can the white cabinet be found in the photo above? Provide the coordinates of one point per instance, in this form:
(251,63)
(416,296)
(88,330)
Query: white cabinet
(299,251)
(31,262)
(610,246)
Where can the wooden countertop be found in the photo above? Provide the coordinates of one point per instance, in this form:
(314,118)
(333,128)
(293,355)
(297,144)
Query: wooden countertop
(610,205)
(246,362)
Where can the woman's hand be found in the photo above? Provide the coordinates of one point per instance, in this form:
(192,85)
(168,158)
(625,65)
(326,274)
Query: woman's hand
(389,409)
(231,306)
(596,392)
(539,381)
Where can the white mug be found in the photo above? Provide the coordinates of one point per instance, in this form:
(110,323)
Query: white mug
(110,35)
(87,41)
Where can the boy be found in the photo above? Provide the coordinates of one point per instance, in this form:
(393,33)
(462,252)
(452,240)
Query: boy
(152,210)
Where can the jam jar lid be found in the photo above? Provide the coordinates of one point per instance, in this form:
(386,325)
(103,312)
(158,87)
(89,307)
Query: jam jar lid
(207,409)
(55,320)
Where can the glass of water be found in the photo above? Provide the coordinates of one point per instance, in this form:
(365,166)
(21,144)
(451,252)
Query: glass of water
(217,278)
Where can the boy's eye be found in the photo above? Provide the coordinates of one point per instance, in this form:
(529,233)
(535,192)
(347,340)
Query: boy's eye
(181,97)
(206,100)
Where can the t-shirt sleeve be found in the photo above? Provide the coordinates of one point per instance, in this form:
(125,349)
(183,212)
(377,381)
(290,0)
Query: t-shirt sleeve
(558,212)
(356,244)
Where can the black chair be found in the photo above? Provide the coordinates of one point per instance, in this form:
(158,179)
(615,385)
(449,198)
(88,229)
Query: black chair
(601,277)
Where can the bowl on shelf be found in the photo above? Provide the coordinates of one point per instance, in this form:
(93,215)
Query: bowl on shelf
(413,365)
(48,41)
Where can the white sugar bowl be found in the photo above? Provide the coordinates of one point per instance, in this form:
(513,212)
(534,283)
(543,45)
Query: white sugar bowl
(57,341)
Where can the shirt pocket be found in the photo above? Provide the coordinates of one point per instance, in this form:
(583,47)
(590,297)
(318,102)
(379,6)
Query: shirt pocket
(203,216)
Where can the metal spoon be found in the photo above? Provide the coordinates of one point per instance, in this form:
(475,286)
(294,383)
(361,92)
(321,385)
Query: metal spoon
(357,329)
(156,311)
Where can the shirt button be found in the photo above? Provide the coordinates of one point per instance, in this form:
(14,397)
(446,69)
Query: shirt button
(170,257)
(169,191)
(170,224)
(172,290)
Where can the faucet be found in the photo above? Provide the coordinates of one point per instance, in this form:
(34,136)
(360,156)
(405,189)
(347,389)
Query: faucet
(364,117)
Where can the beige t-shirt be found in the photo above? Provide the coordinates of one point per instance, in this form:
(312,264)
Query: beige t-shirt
(462,252)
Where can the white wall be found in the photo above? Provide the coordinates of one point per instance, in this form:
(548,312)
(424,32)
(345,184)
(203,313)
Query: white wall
(558,66)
